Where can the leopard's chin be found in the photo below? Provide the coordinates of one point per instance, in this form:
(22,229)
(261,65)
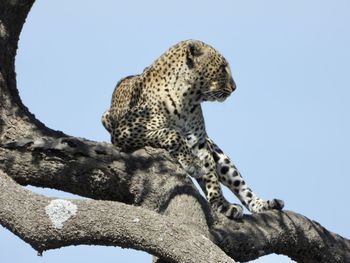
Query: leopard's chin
(223,96)
(221,99)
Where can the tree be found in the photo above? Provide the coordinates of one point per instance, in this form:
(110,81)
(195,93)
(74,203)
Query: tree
(138,217)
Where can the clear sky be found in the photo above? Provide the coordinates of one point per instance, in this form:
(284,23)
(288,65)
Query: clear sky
(286,126)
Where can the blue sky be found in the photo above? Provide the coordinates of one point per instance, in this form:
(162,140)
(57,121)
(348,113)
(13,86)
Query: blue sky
(286,126)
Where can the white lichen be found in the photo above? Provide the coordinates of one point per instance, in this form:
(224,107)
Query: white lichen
(59,211)
(136,220)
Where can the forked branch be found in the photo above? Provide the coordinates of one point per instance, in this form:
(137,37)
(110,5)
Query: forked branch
(171,219)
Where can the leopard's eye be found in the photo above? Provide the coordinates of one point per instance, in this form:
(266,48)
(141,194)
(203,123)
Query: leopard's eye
(223,68)
(223,73)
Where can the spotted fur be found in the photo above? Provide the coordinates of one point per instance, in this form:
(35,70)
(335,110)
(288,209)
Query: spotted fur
(161,108)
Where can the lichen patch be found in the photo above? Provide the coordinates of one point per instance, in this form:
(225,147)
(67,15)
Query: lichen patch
(59,211)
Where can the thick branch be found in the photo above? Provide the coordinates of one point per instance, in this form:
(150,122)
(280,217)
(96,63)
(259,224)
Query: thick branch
(156,183)
(15,119)
(44,224)
(12,17)
(286,233)
(147,178)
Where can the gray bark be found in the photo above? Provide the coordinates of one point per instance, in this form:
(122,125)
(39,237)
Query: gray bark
(100,223)
(151,195)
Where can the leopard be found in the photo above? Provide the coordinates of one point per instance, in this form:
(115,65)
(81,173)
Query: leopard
(161,108)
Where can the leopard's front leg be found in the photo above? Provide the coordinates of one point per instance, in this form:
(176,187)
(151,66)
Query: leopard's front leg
(200,165)
(230,177)
(210,185)
(175,143)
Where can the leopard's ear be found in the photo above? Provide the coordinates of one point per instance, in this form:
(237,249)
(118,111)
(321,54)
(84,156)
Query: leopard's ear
(193,51)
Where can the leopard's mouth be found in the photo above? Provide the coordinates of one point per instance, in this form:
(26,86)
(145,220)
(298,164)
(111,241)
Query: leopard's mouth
(216,95)
(223,96)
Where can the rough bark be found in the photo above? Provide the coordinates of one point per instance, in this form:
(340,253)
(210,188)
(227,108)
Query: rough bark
(151,195)
(100,223)
(149,178)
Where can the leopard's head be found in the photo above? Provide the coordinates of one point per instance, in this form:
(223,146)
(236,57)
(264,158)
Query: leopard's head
(209,73)
(199,71)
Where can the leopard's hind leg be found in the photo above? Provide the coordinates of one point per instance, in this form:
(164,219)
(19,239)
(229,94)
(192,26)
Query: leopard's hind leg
(106,121)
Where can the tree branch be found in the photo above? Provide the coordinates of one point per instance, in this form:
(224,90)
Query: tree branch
(52,223)
(33,154)
(12,17)
(286,233)
(149,178)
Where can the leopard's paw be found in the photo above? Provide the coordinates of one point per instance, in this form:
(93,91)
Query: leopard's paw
(194,169)
(275,204)
(232,211)
(258,205)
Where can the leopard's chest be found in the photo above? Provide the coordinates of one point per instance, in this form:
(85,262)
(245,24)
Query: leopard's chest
(192,126)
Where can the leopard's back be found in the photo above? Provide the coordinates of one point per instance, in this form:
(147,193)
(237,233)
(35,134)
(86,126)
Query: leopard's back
(126,96)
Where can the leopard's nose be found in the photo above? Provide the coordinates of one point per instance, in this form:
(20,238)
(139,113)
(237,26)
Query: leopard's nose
(232,85)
